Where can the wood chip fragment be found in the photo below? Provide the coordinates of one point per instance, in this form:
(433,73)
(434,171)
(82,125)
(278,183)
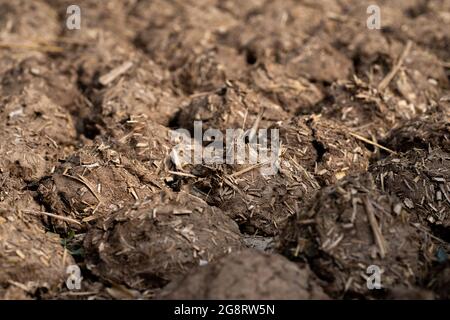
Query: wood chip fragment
(113,74)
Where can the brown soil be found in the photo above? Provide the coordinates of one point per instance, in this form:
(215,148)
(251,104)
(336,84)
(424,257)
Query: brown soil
(89,172)
(247,274)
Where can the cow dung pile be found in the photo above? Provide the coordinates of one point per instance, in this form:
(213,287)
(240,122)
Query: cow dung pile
(224,149)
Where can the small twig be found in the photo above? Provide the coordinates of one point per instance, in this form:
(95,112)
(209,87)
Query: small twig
(245,170)
(44,48)
(385,82)
(66,219)
(371,142)
(83,181)
(255,126)
(114,73)
(19,285)
(375,227)
(183,174)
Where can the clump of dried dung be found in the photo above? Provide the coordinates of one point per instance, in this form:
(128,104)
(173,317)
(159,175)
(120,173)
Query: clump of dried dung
(35,133)
(15,197)
(94,53)
(323,147)
(149,142)
(28,30)
(209,70)
(357,106)
(177,32)
(177,39)
(153,242)
(275,32)
(417,84)
(95,181)
(431,131)
(258,202)
(319,61)
(32,262)
(433,36)
(294,94)
(247,275)
(43,76)
(348,227)
(312,152)
(134,88)
(422,180)
(234,106)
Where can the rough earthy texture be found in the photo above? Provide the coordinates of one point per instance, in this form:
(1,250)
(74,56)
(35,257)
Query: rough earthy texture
(159,239)
(422,180)
(95,181)
(90,161)
(349,227)
(32,262)
(247,275)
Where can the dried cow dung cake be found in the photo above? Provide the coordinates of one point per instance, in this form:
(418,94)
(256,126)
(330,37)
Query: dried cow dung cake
(319,61)
(94,181)
(208,70)
(32,262)
(348,227)
(423,132)
(433,36)
(323,147)
(149,142)
(261,197)
(179,33)
(28,30)
(44,76)
(35,133)
(149,244)
(294,94)
(248,275)
(422,180)
(259,203)
(275,31)
(234,106)
(357,106)
(135,87)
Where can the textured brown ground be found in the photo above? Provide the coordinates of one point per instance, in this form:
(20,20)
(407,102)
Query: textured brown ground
(86,175)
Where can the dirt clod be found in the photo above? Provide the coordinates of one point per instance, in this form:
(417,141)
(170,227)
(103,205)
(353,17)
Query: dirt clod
(247,275)
(349,227)
(159,239)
